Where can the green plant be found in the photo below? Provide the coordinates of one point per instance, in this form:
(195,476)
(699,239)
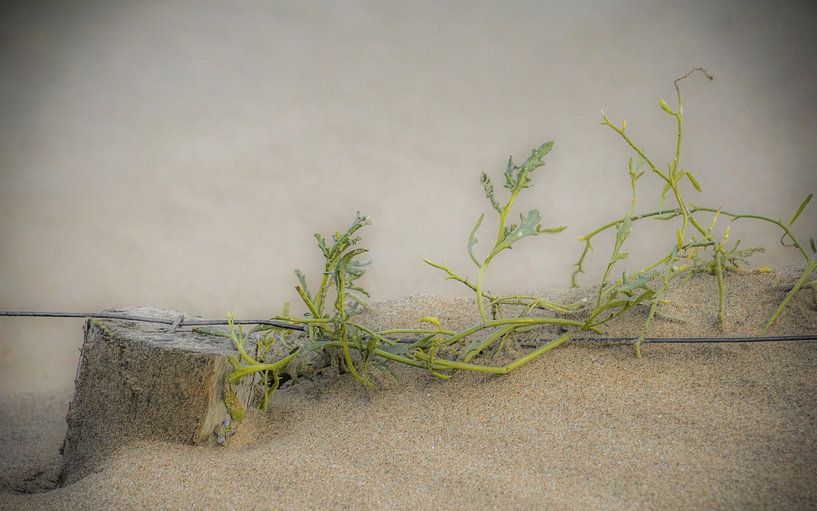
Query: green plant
(333,336)
(517,178)
(647,285)
(357,349)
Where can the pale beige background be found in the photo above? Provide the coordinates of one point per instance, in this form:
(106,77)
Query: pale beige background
(181,154)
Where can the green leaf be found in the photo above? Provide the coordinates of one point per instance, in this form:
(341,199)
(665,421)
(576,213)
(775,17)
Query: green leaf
(813,245)
(342,266)
(355,269)
(529,226)
(801,208)
(641,282)
(342,241)
(357,295)
(302,280)
(624,229)
(621,256)
(322,245)
(489,191)
(472,240)
(647,294)
(509,179)
(534,161)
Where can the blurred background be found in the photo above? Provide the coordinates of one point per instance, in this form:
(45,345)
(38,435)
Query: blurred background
(181,154)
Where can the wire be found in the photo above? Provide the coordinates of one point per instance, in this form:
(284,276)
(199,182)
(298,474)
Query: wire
(179,321)
(703,340)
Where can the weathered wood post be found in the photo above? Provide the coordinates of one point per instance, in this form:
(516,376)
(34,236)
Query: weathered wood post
(139,380)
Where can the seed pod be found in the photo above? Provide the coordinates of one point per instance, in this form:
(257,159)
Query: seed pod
(692,180)
(431,319)
(801,208)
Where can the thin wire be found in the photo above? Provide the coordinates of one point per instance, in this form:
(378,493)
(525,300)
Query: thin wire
(150,319)
(180,322)
(702,340)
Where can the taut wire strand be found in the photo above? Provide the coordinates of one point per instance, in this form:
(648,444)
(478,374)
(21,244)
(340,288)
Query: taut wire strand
(180,321)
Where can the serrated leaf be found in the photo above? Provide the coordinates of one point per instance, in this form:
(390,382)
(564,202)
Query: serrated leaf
(534,161)
(801,208)
(528,226)
(472,239)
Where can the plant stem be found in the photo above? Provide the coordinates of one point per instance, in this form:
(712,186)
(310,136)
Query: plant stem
(450,364)
(807,271)
(721,287)
(659,296)
(254,368)
(487,342)
(427,331)
(781,225)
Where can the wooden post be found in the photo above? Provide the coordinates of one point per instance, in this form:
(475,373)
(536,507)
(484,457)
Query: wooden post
(140,380)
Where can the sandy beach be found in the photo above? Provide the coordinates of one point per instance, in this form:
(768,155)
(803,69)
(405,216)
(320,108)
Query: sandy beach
(181,154)
(589,426)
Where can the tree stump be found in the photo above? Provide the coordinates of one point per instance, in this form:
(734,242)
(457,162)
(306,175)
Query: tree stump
(139,380)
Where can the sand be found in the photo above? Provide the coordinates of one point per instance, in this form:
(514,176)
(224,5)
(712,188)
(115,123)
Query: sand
(588,426)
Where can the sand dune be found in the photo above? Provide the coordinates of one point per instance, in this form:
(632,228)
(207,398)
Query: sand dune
(727,426)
